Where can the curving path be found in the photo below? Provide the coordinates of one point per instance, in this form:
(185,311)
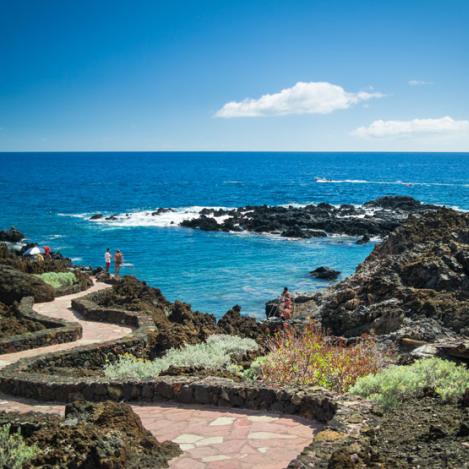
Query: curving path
(60,308)
(212,438)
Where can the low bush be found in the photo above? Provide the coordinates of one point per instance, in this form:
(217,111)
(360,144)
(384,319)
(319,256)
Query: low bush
(252,373)
(311,358)
(216,353)
(14,452)
(389,387)
(58,279)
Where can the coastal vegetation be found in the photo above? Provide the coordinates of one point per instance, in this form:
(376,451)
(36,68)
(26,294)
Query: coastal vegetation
(310,358)
(14,451)
(389,387)
(58,279)
(215,354)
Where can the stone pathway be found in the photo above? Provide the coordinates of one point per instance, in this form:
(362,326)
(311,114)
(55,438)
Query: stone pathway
(60,308)
(211,438)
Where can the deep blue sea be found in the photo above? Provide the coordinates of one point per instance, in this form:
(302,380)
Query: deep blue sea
(48,195)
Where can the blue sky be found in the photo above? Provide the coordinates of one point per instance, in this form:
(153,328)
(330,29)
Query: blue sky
(191,75)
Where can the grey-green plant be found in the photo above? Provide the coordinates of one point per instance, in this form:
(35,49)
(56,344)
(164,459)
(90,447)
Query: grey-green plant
(255,370)
(216,353)
(14,452)
(252,373)
(390,386)
(58,279)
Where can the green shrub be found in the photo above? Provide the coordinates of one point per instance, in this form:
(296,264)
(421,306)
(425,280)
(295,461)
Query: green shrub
(14,452)
(58,279)
(252,373)
(392,385)
(216,353)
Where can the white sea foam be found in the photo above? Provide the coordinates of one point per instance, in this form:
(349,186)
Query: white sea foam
(75,215)
(145,218)
(76,259)
(398,182)
(173,218)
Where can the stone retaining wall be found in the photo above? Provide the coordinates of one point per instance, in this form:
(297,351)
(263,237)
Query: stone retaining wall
(57,331)
(343,417)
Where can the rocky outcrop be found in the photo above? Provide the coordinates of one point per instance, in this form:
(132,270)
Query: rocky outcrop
(176,323)
(14,285)
(234,324)
(30,265)
(415,284)
(435,436)
(13,323)
(376,218)
(104,435)
(11,235)
(325,273)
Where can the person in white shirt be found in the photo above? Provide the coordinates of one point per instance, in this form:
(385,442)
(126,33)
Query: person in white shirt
(107,259)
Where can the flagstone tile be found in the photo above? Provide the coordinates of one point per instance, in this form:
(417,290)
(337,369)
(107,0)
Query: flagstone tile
(221,421)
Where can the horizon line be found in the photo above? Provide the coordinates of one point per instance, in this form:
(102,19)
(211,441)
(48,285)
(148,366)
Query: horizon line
(234,151)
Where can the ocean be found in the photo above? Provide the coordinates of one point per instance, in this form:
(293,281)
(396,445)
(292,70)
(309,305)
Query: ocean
(49,196)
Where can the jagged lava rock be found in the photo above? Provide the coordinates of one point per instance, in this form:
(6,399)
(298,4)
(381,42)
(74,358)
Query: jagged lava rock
(420,271)
(234,323)
(11,235)
(103,435)
(14,285)
(375,218)
(325,273)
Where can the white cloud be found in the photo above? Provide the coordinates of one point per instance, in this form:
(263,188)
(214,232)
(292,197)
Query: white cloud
(443,125)
(419,82)
(302,98)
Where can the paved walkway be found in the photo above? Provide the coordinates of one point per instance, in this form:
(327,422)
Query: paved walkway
(211,438)
(60,308)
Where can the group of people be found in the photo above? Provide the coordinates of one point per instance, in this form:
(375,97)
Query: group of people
(118,261)
(39,254)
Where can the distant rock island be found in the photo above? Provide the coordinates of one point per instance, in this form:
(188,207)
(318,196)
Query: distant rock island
(376,218)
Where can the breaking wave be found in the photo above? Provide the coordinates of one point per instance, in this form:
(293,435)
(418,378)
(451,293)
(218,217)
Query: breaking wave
(396,183)
(170,218)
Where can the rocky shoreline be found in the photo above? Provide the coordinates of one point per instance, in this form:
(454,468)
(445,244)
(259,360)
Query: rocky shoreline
(411,293)
(412,289)
(375,218)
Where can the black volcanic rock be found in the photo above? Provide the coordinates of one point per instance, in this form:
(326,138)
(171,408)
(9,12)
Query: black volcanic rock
(104,435)
(363,240)
(203,223)
(375,218)
(419,273)
(11,235)
(396,202)
(161,210)
(96,216)
(234,323)
(14,285)
(325,273)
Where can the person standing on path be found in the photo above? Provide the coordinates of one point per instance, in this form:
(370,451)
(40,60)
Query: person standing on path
(107,259)
(118,261)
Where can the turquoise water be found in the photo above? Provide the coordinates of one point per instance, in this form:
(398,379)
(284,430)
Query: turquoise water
(47,195)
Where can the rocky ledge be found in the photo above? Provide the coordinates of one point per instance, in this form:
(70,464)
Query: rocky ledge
(413,287)
(176,322)
(103,435)
(375,218)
